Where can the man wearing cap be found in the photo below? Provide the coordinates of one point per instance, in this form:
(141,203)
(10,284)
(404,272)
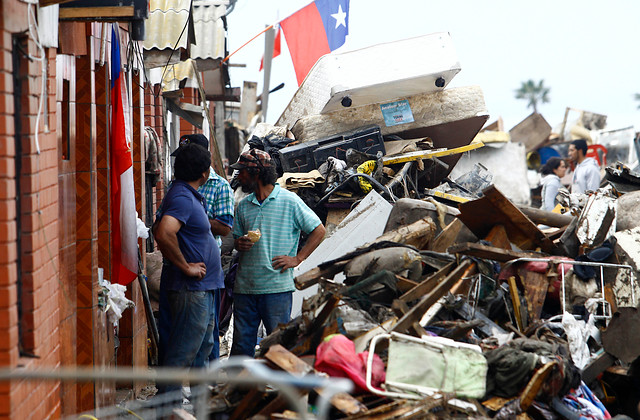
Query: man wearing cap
(267,228)
(586,176)
(218,199)
(191,269)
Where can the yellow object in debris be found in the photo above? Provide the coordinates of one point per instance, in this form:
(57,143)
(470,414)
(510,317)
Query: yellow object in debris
(449,197)
(366,168)
(429,154)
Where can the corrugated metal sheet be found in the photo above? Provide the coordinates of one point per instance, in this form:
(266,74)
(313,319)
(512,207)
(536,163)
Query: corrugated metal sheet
(167,19)
(209,29)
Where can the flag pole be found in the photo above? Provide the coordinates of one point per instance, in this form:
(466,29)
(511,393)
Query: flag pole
(249,41)
(268,56)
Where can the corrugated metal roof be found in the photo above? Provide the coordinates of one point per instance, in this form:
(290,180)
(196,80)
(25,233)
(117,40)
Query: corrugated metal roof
(209,29)
(167,19)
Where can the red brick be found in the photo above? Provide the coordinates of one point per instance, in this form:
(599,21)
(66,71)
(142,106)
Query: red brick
(8,318)
(7,167)
(7,188)
(7,209)
(8,297)
(8,252)
(6,103)
(7,142)
(6,78)
(8,274)
(8,232)
(9,338)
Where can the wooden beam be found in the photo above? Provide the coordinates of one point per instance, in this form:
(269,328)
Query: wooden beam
(96,12)
(427,285)
(432,297)
(312,276)
(489,252)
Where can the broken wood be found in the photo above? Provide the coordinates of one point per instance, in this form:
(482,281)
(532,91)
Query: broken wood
(426,285)
(417,234)
(448,236)
(429,299)
(535,291)
(401,309)
(493,208)
(597,366)
(515,300)
(312,276)
(544,217)
(489,252)
(535,383)
(498,238)
(287,361)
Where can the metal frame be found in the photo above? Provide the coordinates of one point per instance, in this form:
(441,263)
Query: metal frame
(218,372)
(605,305)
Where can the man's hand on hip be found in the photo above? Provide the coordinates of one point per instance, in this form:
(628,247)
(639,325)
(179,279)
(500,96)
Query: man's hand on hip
(198,270)
(284,262)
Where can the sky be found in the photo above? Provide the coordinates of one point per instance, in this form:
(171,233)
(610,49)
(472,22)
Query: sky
(587,52)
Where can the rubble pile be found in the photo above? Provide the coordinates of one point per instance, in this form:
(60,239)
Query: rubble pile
(435,311)
(440,297)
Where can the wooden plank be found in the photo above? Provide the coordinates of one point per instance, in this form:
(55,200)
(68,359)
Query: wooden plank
(95,12)
(429,299)
(481,215)
(312,276)
(544,217)
(416,234)
(404,284)
(289,362)
(489,252)
(535,383)
(535,291)
(448,236)
(597,366)
(426,285)
(498,238)
(401,309)
(429,154)
(515,300)
(248,404)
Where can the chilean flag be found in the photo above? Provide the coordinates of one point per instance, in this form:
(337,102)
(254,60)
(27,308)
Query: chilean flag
(124,238)
(314,31)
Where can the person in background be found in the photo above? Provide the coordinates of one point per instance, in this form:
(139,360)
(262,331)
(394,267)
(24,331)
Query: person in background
(191,270)
(552,172)
(218,200)
(267,228)
(586,176)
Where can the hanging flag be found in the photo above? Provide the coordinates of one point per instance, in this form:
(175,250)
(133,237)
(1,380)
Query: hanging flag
(314,31)
(124,238)
(276,49)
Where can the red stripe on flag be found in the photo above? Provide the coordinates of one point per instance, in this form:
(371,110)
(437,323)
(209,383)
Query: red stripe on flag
(306,39)
(123,270)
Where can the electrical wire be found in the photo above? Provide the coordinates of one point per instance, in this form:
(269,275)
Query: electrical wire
(32,23)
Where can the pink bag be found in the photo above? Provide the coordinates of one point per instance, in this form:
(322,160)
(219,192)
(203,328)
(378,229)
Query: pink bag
(336,356)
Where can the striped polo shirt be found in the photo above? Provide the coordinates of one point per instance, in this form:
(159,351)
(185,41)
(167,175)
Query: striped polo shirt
(280,217)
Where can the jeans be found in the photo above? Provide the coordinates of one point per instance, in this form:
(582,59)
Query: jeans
(187,330)
(248,310)
(215,351)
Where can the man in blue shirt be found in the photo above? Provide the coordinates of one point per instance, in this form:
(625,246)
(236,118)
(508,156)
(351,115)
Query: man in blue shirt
(192,270)
(219,204)
(264,282)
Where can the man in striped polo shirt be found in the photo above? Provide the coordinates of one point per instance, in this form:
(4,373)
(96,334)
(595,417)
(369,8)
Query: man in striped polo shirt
(264,285)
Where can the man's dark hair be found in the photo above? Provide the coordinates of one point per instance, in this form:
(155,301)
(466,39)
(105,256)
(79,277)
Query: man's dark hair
(551,165)
(267,175)
(192,161)
(580,144)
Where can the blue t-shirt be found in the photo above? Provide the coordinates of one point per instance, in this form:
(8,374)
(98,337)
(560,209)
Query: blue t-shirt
(194,239)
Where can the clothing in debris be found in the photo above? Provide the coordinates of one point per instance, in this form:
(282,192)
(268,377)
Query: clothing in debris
(586,176)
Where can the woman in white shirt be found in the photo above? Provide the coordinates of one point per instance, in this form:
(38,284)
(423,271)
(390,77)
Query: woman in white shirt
(552,171)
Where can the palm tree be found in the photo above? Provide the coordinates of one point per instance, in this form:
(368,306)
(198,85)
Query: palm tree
(637,98)
(534,93)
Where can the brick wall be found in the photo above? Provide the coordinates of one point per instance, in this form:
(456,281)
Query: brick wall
(37,271)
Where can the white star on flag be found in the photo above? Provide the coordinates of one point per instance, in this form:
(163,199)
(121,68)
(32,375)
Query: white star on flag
(340,17)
